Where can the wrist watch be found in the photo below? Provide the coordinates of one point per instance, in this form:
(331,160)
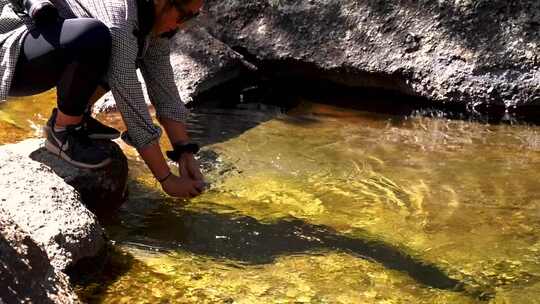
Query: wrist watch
(179,149)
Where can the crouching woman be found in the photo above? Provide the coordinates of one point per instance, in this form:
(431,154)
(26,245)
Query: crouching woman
(93,46)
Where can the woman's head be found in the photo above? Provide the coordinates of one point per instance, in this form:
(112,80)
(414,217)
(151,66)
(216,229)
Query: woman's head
(172,14)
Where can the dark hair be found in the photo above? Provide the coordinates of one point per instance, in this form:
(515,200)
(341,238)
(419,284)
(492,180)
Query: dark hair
(180,3)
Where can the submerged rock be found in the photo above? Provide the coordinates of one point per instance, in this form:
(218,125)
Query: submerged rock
(42,203)
(26,275)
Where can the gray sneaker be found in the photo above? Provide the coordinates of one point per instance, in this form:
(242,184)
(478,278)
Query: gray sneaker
(74,146)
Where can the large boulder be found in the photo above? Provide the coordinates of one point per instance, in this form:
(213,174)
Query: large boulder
(465,52)
(44,205)
(26,274)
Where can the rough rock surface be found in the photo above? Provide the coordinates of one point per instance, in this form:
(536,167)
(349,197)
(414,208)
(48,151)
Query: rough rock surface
(459,52)
(26,276)
(201,62)
(449,51)
(51,211)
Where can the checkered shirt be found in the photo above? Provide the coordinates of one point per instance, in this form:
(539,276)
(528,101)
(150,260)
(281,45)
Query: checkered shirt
(120,16)
(12,31)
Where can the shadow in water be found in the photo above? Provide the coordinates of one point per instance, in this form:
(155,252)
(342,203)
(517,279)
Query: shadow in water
(269,99)
(92,277)
(247,240)
(209,125)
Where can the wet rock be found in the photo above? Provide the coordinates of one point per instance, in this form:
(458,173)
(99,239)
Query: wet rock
(101,190)
(26,274)
(212,164)
(42,203)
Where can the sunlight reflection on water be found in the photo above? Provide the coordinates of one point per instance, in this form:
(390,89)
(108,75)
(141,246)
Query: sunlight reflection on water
(460,195)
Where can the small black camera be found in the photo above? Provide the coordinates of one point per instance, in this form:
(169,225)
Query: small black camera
(41,11)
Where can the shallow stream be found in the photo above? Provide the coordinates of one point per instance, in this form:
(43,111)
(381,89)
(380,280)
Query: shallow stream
(327,205)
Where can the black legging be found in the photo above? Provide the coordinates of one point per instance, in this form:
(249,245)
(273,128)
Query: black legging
(72,55)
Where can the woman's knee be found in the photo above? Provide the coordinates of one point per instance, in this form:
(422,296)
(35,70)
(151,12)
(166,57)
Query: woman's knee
(88,35)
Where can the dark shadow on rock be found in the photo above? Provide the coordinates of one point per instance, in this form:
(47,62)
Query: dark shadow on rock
(309,34)
(92,277)
(244,239)
(255,98)
(19,274)
(102,190)
(400,107)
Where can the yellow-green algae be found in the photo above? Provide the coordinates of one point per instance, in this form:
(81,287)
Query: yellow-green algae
(460,195)
(322,277)
(21,118)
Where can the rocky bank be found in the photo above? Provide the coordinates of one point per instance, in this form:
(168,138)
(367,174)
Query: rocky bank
(467,53)
(45,225)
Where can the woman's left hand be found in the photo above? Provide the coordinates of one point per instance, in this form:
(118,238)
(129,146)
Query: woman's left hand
(189,166)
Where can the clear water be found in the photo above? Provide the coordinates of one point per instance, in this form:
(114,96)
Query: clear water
(328,205)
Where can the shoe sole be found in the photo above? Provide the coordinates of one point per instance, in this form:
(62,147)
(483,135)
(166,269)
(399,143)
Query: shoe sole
(56,151)
(91,136)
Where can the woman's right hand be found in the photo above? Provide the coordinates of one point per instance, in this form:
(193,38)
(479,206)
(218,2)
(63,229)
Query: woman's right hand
(182,187)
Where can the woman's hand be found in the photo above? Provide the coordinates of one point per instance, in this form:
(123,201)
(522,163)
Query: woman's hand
(189,167)
(182,187)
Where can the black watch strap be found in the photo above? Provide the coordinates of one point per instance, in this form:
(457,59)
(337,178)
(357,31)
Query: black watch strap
(180,149)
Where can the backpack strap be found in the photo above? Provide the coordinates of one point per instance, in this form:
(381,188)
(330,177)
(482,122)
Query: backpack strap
(146,19)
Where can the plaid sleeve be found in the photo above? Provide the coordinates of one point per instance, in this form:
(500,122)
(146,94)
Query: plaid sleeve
(127,90)
(159,77)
